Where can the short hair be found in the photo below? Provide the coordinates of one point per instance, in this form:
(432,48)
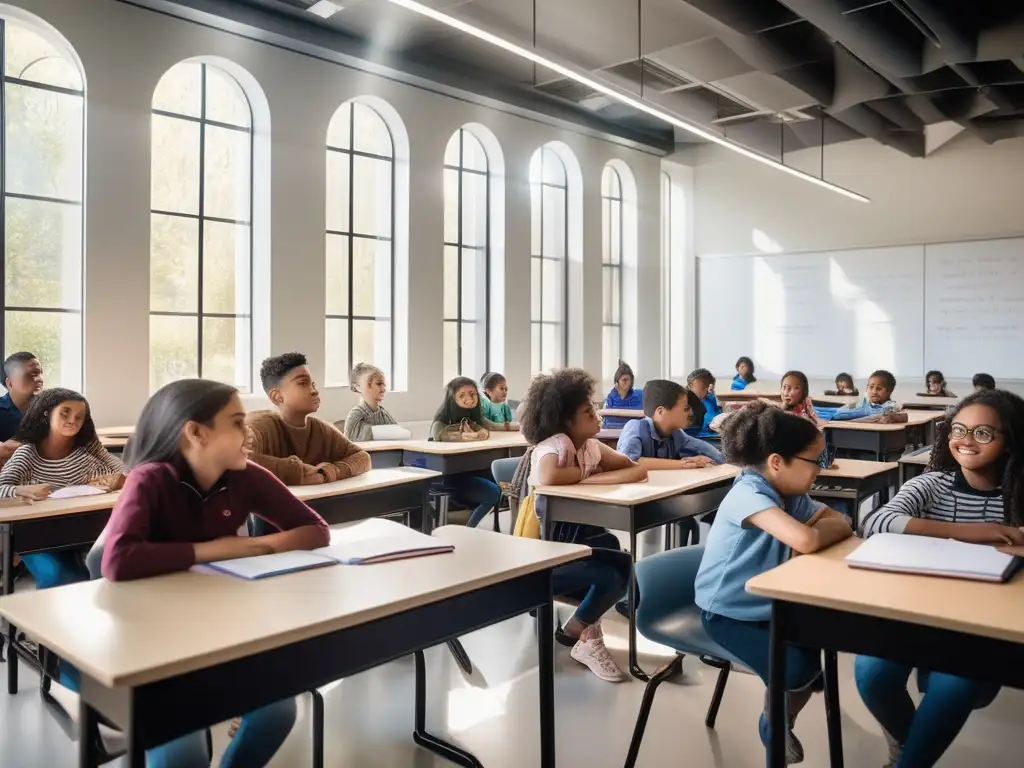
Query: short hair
(358,371)
(552,401)
(758,430)
(16,362)
(845,377)
(888,378)
(936,375)
(702,375)
(274,369)
(624,370)
(799,376)
(490,380)
(983,380)
(661,393)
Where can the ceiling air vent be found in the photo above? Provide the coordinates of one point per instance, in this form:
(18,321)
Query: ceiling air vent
(650,75)
(726,108)
(569,90)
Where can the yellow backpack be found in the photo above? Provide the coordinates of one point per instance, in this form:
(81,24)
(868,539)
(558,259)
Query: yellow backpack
(527,522)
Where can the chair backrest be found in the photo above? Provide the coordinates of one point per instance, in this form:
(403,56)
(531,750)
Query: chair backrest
(94,560)
(667,579)
(504,469)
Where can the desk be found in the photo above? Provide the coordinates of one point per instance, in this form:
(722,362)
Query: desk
(146,668)
(884,440)
(856,480)
(610,437)
(377,493)
(455,458)
(115,431)
(913,465)
(745,396)
(622,413)
(667,497)
(834,401)
(114,444)
(931,403)
(383,453)
(962,627)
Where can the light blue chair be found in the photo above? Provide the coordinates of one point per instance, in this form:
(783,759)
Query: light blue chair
(503,471)
(667,615)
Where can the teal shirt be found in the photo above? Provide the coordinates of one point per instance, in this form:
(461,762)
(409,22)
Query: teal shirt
(500,413)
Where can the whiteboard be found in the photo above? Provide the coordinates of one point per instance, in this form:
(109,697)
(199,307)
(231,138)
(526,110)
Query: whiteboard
(974,310)
(821,313)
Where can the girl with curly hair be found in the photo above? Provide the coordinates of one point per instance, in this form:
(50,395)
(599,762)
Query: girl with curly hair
(973,491)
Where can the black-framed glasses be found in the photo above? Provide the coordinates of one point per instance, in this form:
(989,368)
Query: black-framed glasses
(982,433)
(815,462)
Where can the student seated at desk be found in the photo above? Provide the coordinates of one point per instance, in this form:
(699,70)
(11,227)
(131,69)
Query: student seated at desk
(658,441)
(297,447)
(23,379)
(983,381)
(973,491)
(877,404)
(844,386)
(744,374)
(766,514)
(189,491)
(460,419)
(494,400)
(935,385)
(58,448)
(561,425)
(794,396)
(368,380)
(701,382)
(622,396)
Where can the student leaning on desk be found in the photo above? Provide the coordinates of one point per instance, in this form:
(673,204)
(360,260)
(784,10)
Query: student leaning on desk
(973,491)
(190,489)
(658,441)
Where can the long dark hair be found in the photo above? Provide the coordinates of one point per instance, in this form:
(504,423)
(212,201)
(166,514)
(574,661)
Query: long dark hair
(624,370)
(158,433)
(801,377)
(35,426)
(1010,409)
(749,362)
(450,411)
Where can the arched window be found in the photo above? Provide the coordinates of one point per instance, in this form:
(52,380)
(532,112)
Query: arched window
(201,228)
(42,155)
(360,242)
(549,199)
(467,256)
(611,268)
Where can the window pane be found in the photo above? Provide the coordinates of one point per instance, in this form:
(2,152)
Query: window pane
(606,181)
(54,337)
(44,142)
(606,226)
(451,283)
(180,90)
(372,199)
(551,338)
(535,347)
(226,350)
(450,360)
(535,222)
(371,342)
(337,368)
(474,284)
(42,259)
(339,132)
(472,359)
(173,351)
(451,150)
(226,270)
(225,100)
(175,165)
(473,155)
(610,346)
(337,191)
(612,301)
(371,278)
(337,275)
(27,56)
(451,206)
(535,288)
(227,172)
(554,222)
(551,306)
(371,133)
(615,232)
(554,170)
(474,209)
(173,264)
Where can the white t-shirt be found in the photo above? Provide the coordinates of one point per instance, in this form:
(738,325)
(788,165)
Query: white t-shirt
(588,457)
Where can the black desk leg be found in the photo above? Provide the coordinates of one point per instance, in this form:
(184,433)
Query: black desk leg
(426,740)
(634,664)
(833,716)
(427,523)
(776,694)
(546,678)
(461,657)
(88,730)
(7,542)
(318,728)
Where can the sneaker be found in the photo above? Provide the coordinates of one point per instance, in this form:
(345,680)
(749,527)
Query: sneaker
(592,653)
(233,727)
(622,607)
(794,749)
(895,750)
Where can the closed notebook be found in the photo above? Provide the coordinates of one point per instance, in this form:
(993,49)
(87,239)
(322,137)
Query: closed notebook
(75,491)
(933,557)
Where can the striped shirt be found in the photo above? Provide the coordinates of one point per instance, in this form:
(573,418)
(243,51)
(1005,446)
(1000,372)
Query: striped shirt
(942,496)
(362,419)
(80,467)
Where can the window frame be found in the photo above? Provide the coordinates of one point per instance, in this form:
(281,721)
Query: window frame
(607,203)
(201,218)
(564,314)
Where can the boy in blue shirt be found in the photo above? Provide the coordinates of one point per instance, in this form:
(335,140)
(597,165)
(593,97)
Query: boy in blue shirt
(701,383)
(877,404)
(658,440)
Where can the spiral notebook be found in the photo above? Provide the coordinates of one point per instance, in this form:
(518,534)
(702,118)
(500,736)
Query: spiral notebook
(933,557)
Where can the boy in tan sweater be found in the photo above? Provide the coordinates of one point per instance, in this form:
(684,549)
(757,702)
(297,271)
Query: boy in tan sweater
(291,442)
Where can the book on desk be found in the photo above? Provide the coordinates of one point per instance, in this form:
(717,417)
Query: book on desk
(930,556)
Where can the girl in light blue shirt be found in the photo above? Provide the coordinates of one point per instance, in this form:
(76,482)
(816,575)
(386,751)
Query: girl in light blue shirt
(766,515)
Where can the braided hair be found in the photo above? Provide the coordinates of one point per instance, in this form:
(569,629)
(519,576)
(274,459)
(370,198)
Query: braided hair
(1010,410)
(758,430)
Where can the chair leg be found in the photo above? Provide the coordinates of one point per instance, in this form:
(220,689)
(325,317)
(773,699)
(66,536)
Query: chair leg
(663,674)
(496,513)
(716,697)
(318,728)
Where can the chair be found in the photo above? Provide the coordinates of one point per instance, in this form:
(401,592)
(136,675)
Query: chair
(668,615)
(503,471)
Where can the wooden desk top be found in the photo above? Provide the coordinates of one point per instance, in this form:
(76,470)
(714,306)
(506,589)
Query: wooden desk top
(20,511)
(746,394)
(835,400)
(824,579)
(368,481)
(914,419)
(858,470)
(136,632)
(623,413)
(373,446)
(921,459)
(113,441)
(496,440)
(661,484)
(115,431)
(930,402)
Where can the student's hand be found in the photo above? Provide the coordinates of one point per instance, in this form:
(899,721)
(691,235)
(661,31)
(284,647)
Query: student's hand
(314,477)
(8,448)
(512,426)
(109,483)
(329,471)
(990,533)
(483,434)
(230,547)
(467,427)
(34,492)
(695,462)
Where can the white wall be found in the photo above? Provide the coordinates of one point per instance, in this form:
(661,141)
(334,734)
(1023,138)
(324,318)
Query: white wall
(125,49)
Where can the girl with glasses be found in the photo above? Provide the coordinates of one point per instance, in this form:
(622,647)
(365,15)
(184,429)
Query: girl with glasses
(973,491)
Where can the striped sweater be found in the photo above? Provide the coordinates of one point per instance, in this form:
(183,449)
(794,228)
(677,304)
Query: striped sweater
(942,496)
(362,419)
(80,467)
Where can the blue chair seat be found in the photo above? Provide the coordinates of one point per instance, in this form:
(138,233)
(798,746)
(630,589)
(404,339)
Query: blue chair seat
(683,631)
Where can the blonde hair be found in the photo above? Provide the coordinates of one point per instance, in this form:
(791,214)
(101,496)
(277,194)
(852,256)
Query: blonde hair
(360,370)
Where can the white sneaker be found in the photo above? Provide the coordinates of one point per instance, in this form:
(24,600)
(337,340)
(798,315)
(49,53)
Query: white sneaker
(895,750)
(592,653)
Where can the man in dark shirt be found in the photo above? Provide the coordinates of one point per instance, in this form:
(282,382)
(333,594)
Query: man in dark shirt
(23,378)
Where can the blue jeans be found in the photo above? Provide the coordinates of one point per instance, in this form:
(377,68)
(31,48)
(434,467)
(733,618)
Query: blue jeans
(477,492)
(926,732)
(56,569)
(600,581)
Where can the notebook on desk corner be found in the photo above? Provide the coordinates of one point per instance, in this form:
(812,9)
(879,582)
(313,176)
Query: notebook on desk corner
(902,553)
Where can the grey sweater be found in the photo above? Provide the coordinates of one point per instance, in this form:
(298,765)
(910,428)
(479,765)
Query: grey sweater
(362,419)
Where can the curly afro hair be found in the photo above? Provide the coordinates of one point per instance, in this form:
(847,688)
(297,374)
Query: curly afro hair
(758,430)
(274,369)
(35,426)
(552,402)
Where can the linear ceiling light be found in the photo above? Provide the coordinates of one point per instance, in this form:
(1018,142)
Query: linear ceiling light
(619,96)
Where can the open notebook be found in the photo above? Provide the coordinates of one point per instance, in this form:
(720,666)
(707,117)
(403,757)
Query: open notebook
(401,544)
(933,557)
